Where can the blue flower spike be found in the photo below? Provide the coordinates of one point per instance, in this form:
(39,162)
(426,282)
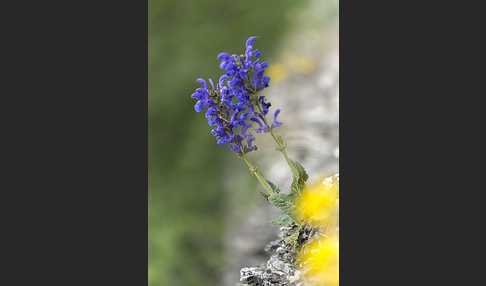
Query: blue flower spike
(233,106)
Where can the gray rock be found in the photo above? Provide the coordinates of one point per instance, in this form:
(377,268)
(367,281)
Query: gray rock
(280,269)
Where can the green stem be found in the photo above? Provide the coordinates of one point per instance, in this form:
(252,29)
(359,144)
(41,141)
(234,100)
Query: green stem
(280,145)
(257,174)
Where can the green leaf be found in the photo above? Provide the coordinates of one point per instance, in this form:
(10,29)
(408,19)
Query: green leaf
(274,188)
(283,220)
(296,186)
(283,202)
(303,176)
(293,238)
(299,180)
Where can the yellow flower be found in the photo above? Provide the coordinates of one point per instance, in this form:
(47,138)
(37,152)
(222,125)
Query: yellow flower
(320,261)
(319,204)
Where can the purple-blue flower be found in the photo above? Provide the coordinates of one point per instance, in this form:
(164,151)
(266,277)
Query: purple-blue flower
(275,122)
(232,106)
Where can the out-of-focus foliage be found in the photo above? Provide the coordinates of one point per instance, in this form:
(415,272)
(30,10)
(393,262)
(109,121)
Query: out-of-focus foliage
(319,206)
(185,200)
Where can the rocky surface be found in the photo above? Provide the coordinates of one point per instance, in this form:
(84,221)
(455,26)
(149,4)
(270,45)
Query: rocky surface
(280,268)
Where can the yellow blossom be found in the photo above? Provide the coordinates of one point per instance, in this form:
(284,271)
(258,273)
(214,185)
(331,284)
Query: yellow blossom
(320,259)
(319,204)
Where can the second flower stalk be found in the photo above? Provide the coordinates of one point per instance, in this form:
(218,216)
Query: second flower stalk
(281,147)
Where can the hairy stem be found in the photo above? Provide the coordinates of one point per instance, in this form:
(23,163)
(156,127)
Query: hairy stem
(280,145)
(258,175)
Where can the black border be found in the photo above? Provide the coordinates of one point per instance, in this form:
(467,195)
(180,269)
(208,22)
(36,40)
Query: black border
(408,133)
(75,185)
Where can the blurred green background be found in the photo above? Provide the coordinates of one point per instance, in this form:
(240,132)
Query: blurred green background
(185,187)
